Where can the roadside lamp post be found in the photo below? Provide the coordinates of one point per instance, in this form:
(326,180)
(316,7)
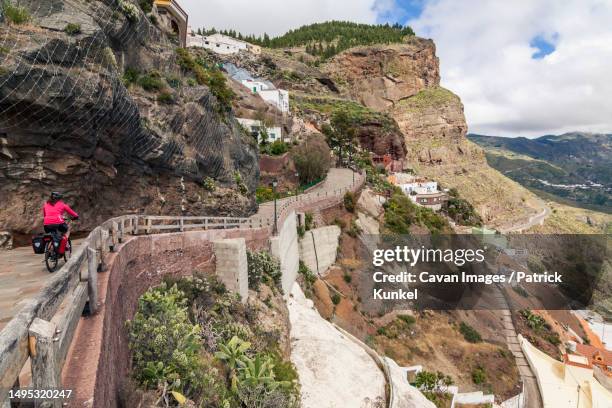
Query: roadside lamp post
(297,184)
(275,227)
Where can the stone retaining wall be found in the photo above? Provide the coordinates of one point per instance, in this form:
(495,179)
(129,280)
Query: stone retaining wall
(140,263)
(318,248)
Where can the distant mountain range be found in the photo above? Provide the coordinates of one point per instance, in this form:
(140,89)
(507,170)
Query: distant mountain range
(574,167)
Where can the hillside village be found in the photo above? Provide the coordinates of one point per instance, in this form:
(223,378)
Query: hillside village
(316,152)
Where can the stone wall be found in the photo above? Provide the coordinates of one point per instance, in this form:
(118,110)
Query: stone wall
(285,248)
(318,248)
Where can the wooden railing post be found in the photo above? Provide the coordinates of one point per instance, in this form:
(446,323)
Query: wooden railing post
(102,248)
(135,221)
(121,227)
(182,224)
(92,280)
(46,373)
(149,222)
(114,236)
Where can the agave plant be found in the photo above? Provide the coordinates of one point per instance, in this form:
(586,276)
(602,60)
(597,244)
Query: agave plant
(233,355)
(257,371)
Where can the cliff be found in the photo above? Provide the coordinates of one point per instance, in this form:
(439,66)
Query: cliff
(402,81)
(70,120)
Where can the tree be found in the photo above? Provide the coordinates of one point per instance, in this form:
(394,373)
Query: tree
(312,159)
(341,134)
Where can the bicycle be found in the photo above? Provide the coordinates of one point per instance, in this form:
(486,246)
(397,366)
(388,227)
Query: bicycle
(52,256)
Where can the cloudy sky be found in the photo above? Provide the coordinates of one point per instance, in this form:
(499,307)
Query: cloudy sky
(525,67)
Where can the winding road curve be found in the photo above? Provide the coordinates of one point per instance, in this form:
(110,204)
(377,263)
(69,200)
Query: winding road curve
(23,274)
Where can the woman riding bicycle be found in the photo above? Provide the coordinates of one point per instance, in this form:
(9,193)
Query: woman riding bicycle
(53,212)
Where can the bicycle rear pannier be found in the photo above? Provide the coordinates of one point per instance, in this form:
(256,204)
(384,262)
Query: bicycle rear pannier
(38,244)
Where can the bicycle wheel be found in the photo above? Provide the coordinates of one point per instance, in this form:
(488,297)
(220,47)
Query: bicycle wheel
(68,252)
(51,258)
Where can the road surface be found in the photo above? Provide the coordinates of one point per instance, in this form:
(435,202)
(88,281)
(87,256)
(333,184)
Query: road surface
(23,273)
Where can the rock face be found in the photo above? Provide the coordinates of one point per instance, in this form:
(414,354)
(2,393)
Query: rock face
(434,127)
(380,76)
(68,123)
(403,81)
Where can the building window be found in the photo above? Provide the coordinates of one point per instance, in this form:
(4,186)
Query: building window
(206,42)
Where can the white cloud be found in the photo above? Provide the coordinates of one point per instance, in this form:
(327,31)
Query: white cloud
(277,16)
(486,59)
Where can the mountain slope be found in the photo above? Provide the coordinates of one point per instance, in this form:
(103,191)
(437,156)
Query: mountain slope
(574,167)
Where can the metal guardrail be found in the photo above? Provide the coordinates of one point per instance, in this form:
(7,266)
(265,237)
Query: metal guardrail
(43,329)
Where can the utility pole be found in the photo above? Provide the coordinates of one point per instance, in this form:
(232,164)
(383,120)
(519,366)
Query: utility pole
(297,184)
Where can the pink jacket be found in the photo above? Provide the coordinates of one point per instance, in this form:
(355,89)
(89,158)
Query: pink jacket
(54,213)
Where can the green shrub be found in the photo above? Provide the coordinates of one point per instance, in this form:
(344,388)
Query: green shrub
(350,202)
(469,333)
(336,298)
(553,339)
(130,76)
(174,81)
(347,277)
(165,344)
(15,14)
(278,147)
(72,29)
(264,194)
(460,210)
(146,5)
(209,184)
(242,188)
(262,268)
(166,98)
(479,376)
(129,10)
(312,159)
(151,81)
(432,382)
(212,77)
(408,319)
(354,230)
(301,231)
(401,213)
(534,321)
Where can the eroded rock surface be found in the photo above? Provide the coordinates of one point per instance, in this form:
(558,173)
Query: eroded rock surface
(68,123)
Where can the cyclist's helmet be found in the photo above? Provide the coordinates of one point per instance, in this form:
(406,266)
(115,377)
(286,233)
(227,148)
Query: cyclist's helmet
(56,196)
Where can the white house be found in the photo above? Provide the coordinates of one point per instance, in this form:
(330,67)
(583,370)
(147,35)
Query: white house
(255,85)
(221,44)
(276,97)
(254,127)
(421,191)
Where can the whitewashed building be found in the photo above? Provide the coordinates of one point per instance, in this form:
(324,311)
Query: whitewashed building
(254,127)
(255,85)
(221,44)
(279,98)
(421,191)
(276,97)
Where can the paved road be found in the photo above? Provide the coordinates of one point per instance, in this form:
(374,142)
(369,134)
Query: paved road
(534,220)
(23,274)
(336,180)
